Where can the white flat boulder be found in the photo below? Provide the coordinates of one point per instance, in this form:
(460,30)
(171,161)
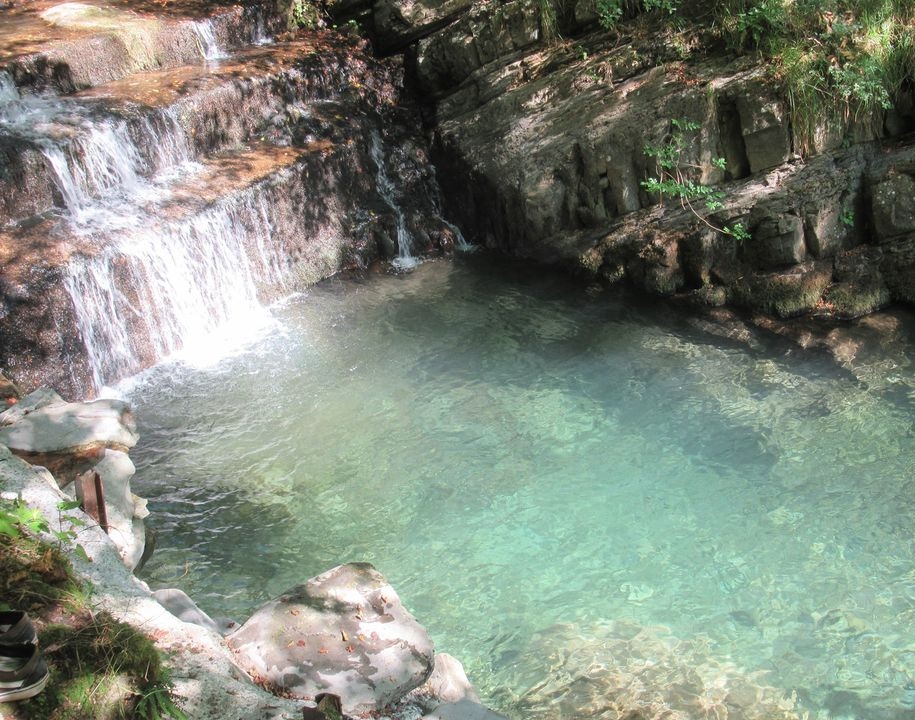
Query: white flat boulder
(68,428)
(343,632)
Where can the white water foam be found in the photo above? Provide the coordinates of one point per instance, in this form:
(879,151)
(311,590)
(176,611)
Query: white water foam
(102,168)
(9,93)
(100,162)
(155,291)
(405,259)
(209,47)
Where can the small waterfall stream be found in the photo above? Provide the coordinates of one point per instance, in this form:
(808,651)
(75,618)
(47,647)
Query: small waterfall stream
(178,220)
(405,259)
(208,45)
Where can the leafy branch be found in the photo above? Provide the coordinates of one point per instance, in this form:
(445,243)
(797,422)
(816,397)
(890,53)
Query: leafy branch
(673,179)
(17,518)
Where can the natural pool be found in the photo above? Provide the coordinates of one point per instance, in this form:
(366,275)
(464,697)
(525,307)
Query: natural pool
(591,501)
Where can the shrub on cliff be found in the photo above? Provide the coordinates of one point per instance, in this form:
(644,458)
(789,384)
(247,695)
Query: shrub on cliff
(842,61)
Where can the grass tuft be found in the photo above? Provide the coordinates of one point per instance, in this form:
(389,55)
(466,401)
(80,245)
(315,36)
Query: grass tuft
(100,668)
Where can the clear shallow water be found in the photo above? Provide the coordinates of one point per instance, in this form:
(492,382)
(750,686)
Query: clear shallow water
(594,504)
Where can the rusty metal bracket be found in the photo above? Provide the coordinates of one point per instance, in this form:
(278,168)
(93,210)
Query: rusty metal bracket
(91,495)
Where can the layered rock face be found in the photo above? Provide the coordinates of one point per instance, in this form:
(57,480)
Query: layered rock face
(541,153)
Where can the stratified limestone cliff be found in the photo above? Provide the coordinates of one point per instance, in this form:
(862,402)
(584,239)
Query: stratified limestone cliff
(540,149)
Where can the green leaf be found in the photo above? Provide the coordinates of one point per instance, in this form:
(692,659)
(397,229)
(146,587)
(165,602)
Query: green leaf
(65,505)
(63,535)
(30,518)
(7,526)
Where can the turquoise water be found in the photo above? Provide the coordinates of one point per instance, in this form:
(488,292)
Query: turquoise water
(593,502)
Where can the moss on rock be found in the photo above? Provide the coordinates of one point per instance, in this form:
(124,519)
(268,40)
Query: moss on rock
(786,294)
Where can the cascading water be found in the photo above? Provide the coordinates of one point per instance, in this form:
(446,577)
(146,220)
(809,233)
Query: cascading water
(101,162)
(183,198)
(405,259)
(8,91)
(100,167)
(207,38)
(152,291)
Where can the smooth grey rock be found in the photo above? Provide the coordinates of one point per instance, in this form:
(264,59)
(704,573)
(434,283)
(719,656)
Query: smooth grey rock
(207,685)
(344,632)
(462,710)
(42,397)
(72,427)
(448,681)
(125,510)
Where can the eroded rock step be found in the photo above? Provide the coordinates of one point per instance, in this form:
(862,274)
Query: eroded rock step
(103,140)
(251,226)
(73,45)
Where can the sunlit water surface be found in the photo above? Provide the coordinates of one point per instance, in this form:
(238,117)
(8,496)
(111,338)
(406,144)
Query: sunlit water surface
(591,502)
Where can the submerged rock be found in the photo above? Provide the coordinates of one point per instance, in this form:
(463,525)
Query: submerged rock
(462,710)
(180,604)
(343,632)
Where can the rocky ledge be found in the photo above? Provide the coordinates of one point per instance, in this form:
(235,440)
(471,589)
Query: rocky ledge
(540,148)
(344,632)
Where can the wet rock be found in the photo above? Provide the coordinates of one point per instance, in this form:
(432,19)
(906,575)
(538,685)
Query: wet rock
(778,241)
(785,294)
(344,632)
(897,267)
(859,287)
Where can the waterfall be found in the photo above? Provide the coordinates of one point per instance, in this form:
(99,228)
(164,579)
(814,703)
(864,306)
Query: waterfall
(258,24)
(9,93)
(101,162)
(101,167)
(169,222)
(207,39)
(405,258)
(170,146)
(152,291)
